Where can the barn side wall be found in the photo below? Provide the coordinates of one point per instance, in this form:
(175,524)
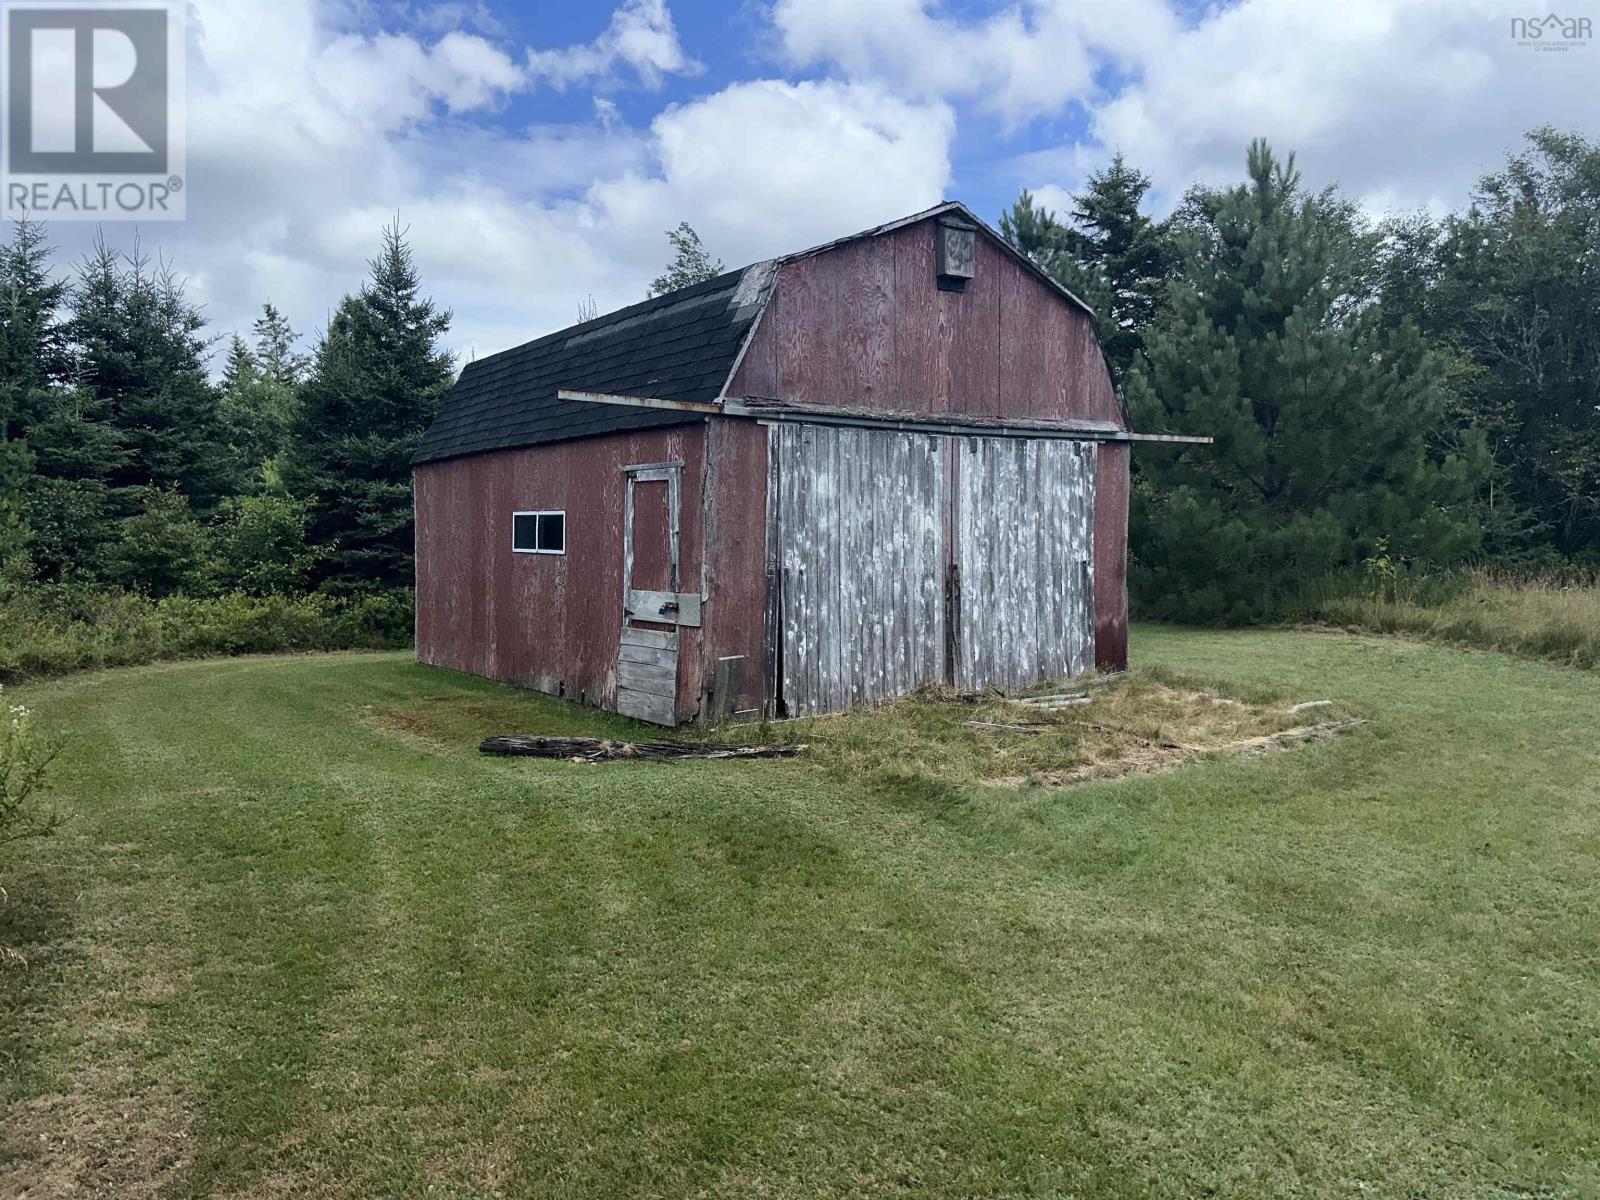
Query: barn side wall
(735,612)
(550,622)
(866,324)
(1111,557)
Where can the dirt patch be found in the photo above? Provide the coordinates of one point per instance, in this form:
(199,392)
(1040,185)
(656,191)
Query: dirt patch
(106,1137)
(1135,725)
(443,724)
(1154,758)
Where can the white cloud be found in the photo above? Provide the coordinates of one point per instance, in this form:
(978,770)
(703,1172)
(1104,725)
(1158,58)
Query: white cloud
(304,140)
(641,36)
(765,167)
(1031,59)
(1053,199)
(392,81)
(1404,103)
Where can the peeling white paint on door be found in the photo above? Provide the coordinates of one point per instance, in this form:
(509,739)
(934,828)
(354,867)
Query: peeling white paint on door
(909,558)
(862,557)
(1025,552)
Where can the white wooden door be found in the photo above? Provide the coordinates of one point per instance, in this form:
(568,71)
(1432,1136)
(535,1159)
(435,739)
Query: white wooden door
(1024,561)
(654,606)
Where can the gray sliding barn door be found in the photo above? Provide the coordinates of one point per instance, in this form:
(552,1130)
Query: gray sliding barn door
(1025,552)
(859,525)
(904,559)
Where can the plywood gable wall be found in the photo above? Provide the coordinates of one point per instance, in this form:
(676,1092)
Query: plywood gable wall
(865,323)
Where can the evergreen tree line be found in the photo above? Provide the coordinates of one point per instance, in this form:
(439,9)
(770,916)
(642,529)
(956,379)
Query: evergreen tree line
(1417,392)
(123,463)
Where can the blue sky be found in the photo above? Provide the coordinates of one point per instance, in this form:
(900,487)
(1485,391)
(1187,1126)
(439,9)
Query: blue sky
(538,151)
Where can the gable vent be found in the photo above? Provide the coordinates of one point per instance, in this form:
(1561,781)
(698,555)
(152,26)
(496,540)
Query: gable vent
(955,253)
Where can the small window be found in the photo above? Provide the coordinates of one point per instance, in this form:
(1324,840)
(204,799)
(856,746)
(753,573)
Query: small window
(539,532)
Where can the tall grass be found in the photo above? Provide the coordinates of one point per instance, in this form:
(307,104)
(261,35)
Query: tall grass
(1548,617)
(54,629)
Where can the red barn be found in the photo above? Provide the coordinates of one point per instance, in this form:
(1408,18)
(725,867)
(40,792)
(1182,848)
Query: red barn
(820,481)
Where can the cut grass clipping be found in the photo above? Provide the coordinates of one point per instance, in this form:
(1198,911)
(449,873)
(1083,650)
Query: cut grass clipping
(1100,729)
(1133,725)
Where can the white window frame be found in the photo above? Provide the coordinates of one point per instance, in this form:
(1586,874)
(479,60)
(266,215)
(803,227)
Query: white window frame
(539,512)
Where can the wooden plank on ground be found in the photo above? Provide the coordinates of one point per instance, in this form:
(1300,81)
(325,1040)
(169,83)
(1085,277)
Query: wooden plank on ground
(602,749)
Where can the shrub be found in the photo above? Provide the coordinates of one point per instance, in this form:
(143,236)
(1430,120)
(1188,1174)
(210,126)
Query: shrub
(263,544)
(161,549)
(51,629)
(25,755)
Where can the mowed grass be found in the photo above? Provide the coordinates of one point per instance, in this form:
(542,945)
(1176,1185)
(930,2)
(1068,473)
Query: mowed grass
(301,940)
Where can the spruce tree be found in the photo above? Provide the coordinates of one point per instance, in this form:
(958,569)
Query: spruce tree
(274,347)
(140,354)
(32,361)
(33,345)
(55,447)
(1333,442)
(260,394)
(375,383)
(1108,253)
(16,475)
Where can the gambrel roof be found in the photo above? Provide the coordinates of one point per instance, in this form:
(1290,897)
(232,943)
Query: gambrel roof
(681,346)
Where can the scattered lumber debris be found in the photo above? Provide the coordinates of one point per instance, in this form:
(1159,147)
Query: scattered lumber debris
(995,727)
(1303,733)
(1305,704)
(1054,701)
(581,749)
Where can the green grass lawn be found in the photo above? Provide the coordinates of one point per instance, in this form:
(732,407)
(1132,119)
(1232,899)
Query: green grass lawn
(299,939)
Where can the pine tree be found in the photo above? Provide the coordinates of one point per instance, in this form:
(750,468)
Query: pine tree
(1131,255)
(1333,443)
(691,263)
(375,382)
(1109,254)
(1033,229)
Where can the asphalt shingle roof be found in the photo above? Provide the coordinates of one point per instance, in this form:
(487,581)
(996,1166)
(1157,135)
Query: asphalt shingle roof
(680,346)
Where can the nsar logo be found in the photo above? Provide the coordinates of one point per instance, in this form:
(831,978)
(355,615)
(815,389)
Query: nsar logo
(1552,32)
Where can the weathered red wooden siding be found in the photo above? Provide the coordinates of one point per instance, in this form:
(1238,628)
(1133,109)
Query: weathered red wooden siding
(1111,557)
(550,622)
(866,324)
(735,612)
